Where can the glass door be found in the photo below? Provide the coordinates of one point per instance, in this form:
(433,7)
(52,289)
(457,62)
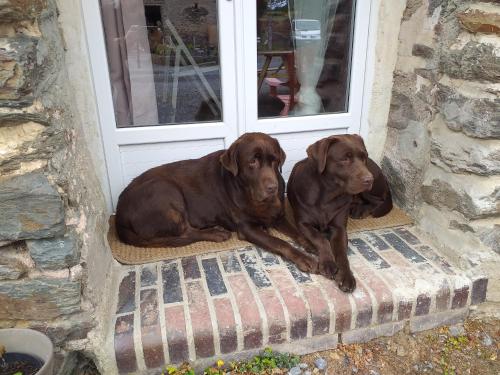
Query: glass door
(164,75)
(304,66)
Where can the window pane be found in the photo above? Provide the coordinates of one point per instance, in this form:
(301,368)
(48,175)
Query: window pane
(163,58)
(303,56)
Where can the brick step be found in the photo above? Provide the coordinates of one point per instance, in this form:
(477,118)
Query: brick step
(232,304)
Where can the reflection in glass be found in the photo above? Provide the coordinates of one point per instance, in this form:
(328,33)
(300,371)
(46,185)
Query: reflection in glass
(163,58)
(303,56)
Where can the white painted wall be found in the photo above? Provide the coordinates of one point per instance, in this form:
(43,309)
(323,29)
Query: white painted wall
(80,78)
(383,45)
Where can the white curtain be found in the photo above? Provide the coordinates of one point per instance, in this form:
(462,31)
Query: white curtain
(310,54)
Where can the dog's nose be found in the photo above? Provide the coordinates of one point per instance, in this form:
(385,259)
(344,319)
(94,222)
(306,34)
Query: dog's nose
(367,180)
(272,188)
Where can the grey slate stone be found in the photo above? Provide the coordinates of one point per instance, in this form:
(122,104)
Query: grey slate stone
(9,272)
(320,363)
(31,208)
(475,61)
(18,68)
(487,340)
(475,117)
(39,299)
(422,51)
(54,253)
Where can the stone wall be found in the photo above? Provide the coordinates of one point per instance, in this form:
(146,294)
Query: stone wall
(52,210)
(442,152)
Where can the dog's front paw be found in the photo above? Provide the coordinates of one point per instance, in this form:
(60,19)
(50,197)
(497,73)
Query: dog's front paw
(220,234)
(307,263)
(328,268)
(345,280)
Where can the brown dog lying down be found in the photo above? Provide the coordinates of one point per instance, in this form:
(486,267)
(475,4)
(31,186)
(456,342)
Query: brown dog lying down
(376,202)
(335,181)
(239,189)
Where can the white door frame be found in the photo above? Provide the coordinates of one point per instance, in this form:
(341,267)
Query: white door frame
(238,61)
(114,137)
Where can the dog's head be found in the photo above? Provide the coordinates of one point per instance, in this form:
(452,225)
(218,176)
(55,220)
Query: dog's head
(343,158)
(256,159)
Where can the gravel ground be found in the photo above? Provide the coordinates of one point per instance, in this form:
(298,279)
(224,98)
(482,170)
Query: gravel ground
(471,348)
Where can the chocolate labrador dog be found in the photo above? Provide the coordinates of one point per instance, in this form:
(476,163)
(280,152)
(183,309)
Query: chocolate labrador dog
(321,190)
(239,189)
(376,202)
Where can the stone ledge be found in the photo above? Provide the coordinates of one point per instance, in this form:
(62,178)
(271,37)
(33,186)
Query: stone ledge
(370,333)
(446,318)
(458,153)
(236,303)
(473,196)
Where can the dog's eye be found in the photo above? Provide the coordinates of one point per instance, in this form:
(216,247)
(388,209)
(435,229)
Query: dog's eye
(347,157)
(253,163)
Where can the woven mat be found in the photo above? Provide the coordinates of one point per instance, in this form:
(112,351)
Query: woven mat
(128,254)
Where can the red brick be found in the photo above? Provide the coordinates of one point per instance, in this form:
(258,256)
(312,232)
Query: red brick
(175,322)
(227,325)
(341,304)
(382,293)
(404,309)
(443,296)
(295,305)
(363,306)
(423,305)
(400,276)
(479,289)
(460,297)
(126,294)
(200,320)
(320,311)
(275,316)
(152,344)
(247,307)
(395,259)
(124,344)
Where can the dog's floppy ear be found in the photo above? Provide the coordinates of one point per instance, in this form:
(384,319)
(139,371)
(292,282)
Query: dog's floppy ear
(229,159)
(359,138)
(282,156)
(319,150)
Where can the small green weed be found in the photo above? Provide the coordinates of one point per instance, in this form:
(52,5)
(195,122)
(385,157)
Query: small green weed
(452,344)
(263,363)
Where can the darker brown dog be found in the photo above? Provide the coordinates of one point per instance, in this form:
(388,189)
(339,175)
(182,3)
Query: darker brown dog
(239,189)
(376,202)
(321,190)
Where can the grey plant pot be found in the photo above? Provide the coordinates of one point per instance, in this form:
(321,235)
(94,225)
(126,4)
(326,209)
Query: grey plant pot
(28,341)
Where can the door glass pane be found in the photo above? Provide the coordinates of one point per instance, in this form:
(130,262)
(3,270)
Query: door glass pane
(163,58)
(303,56)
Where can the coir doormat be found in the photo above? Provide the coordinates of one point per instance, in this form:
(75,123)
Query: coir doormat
(128,254)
